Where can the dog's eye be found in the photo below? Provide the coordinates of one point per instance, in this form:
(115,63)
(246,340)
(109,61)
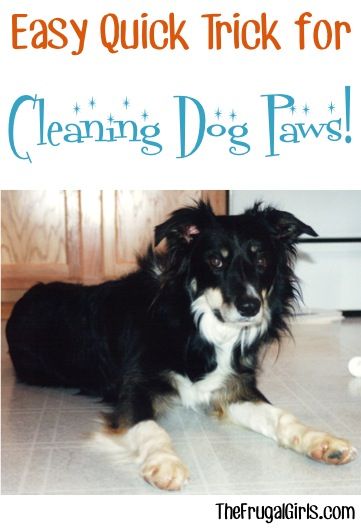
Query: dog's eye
(216,262)
(254,246)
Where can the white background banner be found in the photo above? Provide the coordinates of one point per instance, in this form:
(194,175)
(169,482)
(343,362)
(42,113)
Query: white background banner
(257,113)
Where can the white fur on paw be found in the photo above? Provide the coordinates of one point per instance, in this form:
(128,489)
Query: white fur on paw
(166,472)
(328,449)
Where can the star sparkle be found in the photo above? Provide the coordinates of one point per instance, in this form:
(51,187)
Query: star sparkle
(110,119)
(306,109)
(145,115)
(293,109)
(126,103)
(331,107)
(218,113)
(76,108)
(92,102)
(233,115)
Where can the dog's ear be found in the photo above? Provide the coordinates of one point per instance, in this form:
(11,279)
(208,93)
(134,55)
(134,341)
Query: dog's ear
(286,226)
(185,224)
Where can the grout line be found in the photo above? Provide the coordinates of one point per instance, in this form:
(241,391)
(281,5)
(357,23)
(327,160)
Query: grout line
(199,468)
(57,420)
(195,458)
(52,444)
(42,488)
(253,489)
(32,448)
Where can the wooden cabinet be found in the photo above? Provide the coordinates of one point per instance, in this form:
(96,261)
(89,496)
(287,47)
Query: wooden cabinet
(40,236)
(84,236)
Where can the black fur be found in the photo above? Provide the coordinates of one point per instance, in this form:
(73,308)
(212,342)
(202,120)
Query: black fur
(122,339)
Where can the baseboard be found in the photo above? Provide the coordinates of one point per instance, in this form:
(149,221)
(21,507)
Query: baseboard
(351,313)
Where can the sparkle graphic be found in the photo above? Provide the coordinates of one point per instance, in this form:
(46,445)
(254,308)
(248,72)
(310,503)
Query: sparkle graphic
(126,103)
(145,115)
(76,108)
(110,119)
(92,102)
(331,107)
(306,109)
(293,109)
(233,115)
(218,113)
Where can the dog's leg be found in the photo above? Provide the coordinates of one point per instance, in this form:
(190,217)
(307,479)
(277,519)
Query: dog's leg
(132,427)
(289,432)
(159,464)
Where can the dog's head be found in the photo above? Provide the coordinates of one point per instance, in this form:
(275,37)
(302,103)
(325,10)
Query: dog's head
(239,265)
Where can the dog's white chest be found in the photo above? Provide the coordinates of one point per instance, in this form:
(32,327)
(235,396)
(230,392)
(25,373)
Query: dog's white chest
(193,394)
(224,337)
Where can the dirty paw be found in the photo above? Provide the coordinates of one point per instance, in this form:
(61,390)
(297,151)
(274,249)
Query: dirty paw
(166,472)
(331,450)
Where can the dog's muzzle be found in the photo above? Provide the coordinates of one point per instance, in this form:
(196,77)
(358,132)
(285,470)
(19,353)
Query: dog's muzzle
(241,311)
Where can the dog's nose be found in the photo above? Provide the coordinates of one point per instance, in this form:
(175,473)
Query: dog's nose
(249,307)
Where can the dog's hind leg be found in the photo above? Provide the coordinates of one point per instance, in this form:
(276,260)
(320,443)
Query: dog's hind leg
(289,432)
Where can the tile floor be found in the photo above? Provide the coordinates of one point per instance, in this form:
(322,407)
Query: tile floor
(44,430)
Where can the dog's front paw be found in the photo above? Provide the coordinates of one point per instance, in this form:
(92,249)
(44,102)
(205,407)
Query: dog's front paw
(165,471)
(328,449)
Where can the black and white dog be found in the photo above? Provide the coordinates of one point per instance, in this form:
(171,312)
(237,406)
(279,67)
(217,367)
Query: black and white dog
(189,324)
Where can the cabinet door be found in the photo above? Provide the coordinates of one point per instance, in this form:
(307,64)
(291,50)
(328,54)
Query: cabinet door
(40,235)
(40,241)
